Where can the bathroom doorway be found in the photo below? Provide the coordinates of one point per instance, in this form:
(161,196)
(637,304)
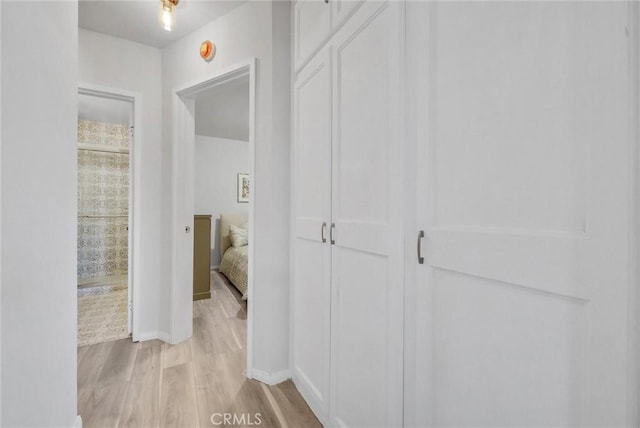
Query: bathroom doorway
(105,143)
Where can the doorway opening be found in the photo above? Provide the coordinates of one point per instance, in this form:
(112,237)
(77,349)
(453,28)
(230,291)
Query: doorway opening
(221,185)
(106,135)
(213,153)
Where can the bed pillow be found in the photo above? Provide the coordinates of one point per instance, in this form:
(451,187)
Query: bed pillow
(239,237)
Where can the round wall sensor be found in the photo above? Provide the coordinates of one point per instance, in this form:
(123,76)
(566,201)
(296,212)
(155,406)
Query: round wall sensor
(207,50)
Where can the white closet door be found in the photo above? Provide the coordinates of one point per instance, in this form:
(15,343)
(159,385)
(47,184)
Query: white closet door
(524,195)
(367,210)
(312,262)
(341,10)
(312,26)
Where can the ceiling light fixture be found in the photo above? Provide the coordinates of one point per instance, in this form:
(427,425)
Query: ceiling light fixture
(168,13)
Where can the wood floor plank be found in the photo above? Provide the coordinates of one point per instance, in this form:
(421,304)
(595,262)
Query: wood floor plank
(202,348)
(82,350)
(103,405)
(295,410)
(148,343)
(282,421)
(175,355)
(251,400)
(197,309)
(141,404)
(219,380)
(90,361)
(178,397)
(118,365)
(222,338)
(214,395)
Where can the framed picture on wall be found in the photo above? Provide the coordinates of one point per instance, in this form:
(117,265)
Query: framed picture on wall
(243,187)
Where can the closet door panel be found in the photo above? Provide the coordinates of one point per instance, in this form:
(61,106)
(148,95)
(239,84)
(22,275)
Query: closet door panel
(341,10)
(523,173)
(362,319)
(367,202)
(312,25)
(312,263)
(310,325)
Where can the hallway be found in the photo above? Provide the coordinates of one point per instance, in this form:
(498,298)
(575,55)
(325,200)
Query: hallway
(151,384)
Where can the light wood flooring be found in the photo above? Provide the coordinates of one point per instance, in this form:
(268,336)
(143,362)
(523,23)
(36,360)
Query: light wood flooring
(154,384)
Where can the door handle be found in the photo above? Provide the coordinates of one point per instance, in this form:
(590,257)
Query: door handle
(420,258)
(324,226)
(333,226)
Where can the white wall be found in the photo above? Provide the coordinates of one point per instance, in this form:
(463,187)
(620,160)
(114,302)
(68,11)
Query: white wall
(246,32)
(223,112)
(217,163)
(120,64)
(38,227)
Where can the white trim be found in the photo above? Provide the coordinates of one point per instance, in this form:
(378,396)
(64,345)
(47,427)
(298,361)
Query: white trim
(292,193)
(252,171)
(135,179)
(215,267)
(149,335)
(152,335)
(227,75)
(75,336)
(271,378)
(78,422)
(164,336)
(633,308)
(299,63)
(305,390)
(183,140)
(183,134)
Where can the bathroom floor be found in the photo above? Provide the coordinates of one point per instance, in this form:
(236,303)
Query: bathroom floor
(102,313)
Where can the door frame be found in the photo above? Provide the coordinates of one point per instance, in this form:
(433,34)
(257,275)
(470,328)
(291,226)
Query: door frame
(633,309)
(182,147)
(135,179)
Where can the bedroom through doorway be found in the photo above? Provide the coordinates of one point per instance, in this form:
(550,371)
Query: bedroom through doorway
(222,194)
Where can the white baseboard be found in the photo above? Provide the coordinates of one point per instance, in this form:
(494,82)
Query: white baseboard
(78,422)
(147,335)
(151,335)
(215,267)
(270,378)
(164,336)
(310,396)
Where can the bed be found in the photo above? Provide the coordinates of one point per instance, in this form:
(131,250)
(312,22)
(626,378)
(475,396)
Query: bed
(235,260)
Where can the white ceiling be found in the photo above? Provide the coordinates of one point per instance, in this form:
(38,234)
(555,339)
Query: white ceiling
(223,111)
(104,110)
(138,21)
